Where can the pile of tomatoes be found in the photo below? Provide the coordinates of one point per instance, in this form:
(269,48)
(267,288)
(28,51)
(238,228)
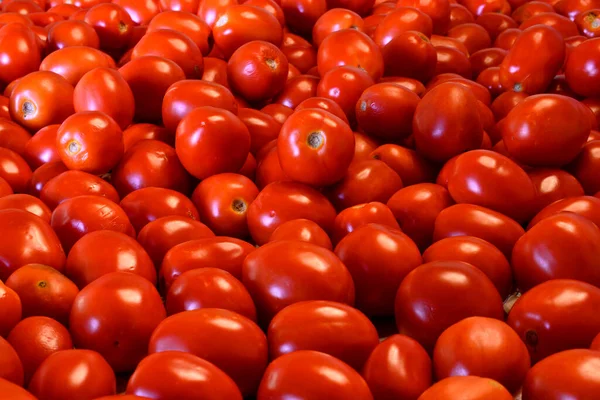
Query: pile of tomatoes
(300,199)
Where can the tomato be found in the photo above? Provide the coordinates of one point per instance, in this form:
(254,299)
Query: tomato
(279,112)
(36,338)
(585,206)
(172,45)
(257,70)
(66,10)
(43,174)
(209,10)
(572,8)
(503,104)
(407,163)
(486,58)
(71,184)
(233,343)
(459,15)
(123,327)
(5,188)
(596,343)
(472,35)
(581,68)
(301,15)
(11,368)
(209,288)
(587,23)
(495,23)
(357,216)
(138,132)
(441,286)
(399,21)
(584,167)
(196,139)
(13,136)
(14,392)
(215,70)
(173,374)
(19,52)
(187,23)
(66,373)
(452,60)
(552,185)
(438,10)
(560,118)
(334,20)
(432,125)
(331,328)
(484,347)
(363,147)
(223,200)
(222,252)
(41,147)
(184,96)
(298,89)
(23,7)
(271,6)
(284,201)
(266,268)
(529,10)
(75,61)
(445,41)
(299,375)
(27,203)
(467,388)
(563,25)
(377,278)
(418,53)
(141,12)
(344,85)
(302,230)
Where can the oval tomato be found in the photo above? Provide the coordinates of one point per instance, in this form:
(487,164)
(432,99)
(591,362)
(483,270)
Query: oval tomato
(11,368)
(303,230)
(71,184)
(352,218)
(466,388)
(11,311)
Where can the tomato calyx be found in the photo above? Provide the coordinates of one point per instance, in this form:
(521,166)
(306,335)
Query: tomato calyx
(531,338)
(122,27)
(518,87)
(73,147)
(315,140)
(239,206)
(271,63)
(29,109)
(42,284)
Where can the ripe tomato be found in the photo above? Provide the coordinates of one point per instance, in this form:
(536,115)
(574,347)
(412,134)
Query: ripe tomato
(14,170)
(549,325)
(420,57)
(401,20)
(187,23)
(302,15)
(233,343)
(530,9)
(325,326)
(335,19)
(71,184)
(563,25)
(148,204)
(27,203)
(495,23)
(173,374)
(466,388)
(586,206)
(363,147)
(13,136)
(271,6)
(174,46)
(112,24)
(209,10)
(10,311)
(299,375)
(127,308)
(43,291)
(73,373)
(503,104)
(352,218)
(269,169)
(215,70)
(521,72)
(472,35)
(438,10)
(569,373)
(302,230)
(11,368)
(297,89)
(36,338)
(150,163)
(459,15)
(266,268)
(41,148)
(407,163)
(263,127)
(14,392)
(453,290)
(42,175)
(278,111)
(483,347)
(486,58)
(377,277)
(222,252)
(558,117)
(207,133)
(209,288)
(75,61)
(581,68)
(587,23)
(585,165)
(141,12)
(19,52)
(138,132)
(596,343)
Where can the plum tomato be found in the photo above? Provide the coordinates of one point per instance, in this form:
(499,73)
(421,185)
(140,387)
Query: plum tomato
(19,52)
(586,206)
(115,315)
(553,184)
(466,388)
(187,23)
(112,23)
(410,54)
(41,148)
(335,19)
(297,89)
(438,10)
(315,147)
(302,230)
(584,167)
(138,132)
(70,33)
(302,15)
(581,69)
(12,135)
(11,311)
(71,184)
(26,202)
(354,217)
(14,170)
(556,315)
(408,164)
(11,368)
(42,175)
(75,61)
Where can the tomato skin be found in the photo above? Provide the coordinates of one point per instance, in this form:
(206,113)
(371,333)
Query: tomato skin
(41,148)
(466,388)
(472,35)
(460,117)
(11,368)
(237,345)
(215,70)
(43,291)
(42,175)
(196,139)
(485,58)
(184,96)
(363,147)
(302,15)
(27,203)
(10,313)
(262,127)
(36,338)
(62,62)
(596,343)
(14,137)
(226,253)
(335,19)
(587,23)
(450,59)
(278,111)
(14,170)
(584,167)
(581,68)
(586,206)
(563,25)
(483,347)
(71,184)
(302,230)
(60,376)
(187,23)
(357,216)
(438,10)
(125,327)
(377,277)
(19,51)
(407,163)
(138,132)
(418,52)
(287,377)
(297,89)
(14,392)
(561,121)
(400,20)
(173,374)
(547,325)
(269,266)
(566,238)
(149,78)
(532,75)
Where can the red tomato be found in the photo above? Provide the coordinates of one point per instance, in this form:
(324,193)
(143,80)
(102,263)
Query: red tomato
(472,35)
(377,277)
(521,72)
(438,10)
(587,23)
(363,147)
(548,325)
(74,62)
(42,175)
(401,20)
(563,25)
(486,58)
(581,68)
(11,368)
(112,24)
(302,230)
(209,288)
(324,104)
(410,54)
(586,206)
(552,185)
(398,367)
(36,338)
(335,19)
(584,167)
(5,188)
(233,343)
(357,216)
(266,268)
(71,184)
(278,111)
(10,311)
(495,23)
(507,38)
(149,78)
(187,23)
(173,374)
(73,373)
(14,170)
(452,60)
(530,9)
(138,132)
(141,12)
(126,309)
(444,41)
(572,8)
(466,388)
(215,70)
(27,203)
(209,10)
(221,252)
(331,328)
(298,89)
(14,137)
(459,15)
(596,343)
(482,347)
(41,148)
(19,52)
(14,392)
(43,291)
(271,6)
(407,163)
(302,15)
(288,376)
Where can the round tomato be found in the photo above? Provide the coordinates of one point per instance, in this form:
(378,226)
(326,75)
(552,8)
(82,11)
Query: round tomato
(335,19)
(75,61)
(19,52)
